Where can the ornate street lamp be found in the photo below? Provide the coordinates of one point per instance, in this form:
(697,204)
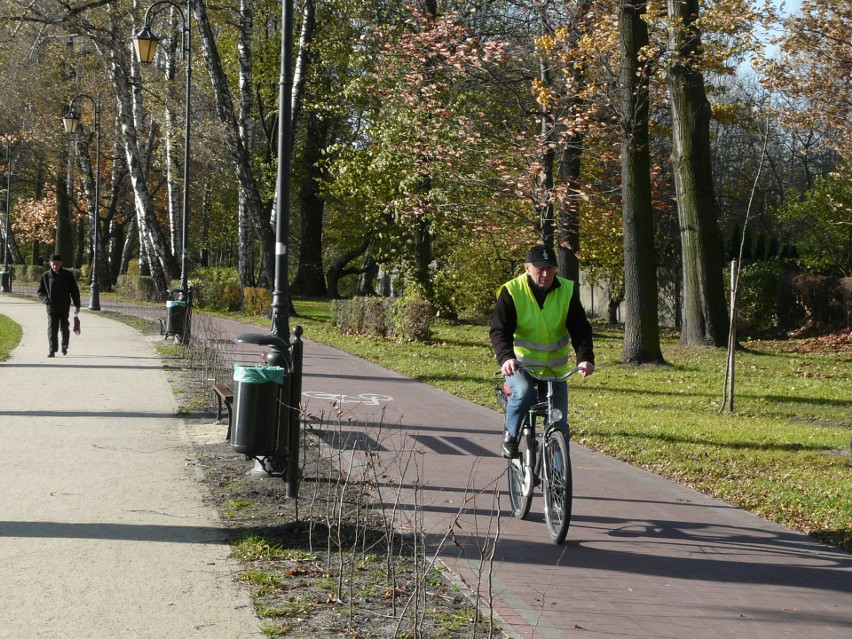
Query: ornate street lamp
(145,45)
(71,121)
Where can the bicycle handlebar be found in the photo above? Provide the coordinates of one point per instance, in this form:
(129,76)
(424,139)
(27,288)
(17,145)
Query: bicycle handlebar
(550,378)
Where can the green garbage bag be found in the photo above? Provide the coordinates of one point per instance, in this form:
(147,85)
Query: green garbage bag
(259,374)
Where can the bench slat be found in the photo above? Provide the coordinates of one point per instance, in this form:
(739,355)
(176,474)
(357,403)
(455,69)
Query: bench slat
(224,394)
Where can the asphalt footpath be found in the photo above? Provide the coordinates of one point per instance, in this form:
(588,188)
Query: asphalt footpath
(103,530)
(645,557)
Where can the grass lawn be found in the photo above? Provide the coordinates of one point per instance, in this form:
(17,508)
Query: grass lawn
(10,336)
(783,454)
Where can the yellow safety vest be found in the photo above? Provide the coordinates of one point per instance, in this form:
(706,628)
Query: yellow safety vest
(541,340)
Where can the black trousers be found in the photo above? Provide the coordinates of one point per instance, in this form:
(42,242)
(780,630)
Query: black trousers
(56,321)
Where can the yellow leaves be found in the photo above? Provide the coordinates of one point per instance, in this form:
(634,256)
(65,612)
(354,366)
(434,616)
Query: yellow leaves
(545,43)
(543,94)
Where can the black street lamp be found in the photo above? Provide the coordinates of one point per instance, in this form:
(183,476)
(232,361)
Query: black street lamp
(281,293)
(145,45)
(6,277)
(71,121)
(284,461)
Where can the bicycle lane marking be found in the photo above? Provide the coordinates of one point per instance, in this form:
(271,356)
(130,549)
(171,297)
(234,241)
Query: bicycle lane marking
(369,399)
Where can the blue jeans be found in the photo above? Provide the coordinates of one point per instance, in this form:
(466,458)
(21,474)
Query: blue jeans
(526,392)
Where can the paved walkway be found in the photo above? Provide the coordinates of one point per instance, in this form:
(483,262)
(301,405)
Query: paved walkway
(644,557)
(103,532)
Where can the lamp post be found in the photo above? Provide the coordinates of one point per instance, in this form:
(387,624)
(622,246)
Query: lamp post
(284,461)
(145,45)
(6,280)
(281,293)
(71,121)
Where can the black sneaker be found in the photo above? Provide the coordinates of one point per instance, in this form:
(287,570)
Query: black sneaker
(51,354)
(509,446)
(64,350)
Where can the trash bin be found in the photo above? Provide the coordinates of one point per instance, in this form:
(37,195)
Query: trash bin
(257,400)
(175,317)
(6,281)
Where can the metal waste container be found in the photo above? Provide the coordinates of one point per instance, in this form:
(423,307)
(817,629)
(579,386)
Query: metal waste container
(175,317)
(6,281)
(257,400)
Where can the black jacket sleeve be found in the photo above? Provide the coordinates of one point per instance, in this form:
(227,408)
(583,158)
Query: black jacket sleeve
(43,292)
(74,290)
(503,321)
(580,329)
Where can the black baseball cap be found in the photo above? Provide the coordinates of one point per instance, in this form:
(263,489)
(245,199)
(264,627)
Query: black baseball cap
(56,257)
(540,256)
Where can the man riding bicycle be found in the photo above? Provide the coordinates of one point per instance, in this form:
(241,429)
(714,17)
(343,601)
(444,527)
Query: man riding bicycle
(536,316)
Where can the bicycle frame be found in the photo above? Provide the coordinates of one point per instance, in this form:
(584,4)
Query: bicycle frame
(539,463)
(544,410)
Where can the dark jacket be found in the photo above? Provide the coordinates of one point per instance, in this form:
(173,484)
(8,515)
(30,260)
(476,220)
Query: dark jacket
(504,319)
(58,290)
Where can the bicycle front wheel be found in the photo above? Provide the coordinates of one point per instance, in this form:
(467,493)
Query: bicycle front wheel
(521,479)
(557,486)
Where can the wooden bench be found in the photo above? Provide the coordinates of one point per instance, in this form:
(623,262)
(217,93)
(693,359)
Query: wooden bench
(224,395)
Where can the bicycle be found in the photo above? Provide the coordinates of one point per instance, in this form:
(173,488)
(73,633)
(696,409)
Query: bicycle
(552,471)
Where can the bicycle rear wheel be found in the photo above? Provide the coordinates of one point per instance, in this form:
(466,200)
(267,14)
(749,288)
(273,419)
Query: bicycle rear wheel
(557,486)
(521,479)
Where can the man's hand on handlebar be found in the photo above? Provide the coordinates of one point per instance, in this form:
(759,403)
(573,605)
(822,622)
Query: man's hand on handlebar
(510,367)
(586,368)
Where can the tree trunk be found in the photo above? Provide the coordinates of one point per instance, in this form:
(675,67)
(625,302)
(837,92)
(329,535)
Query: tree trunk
(423,259)
(62,244)
(88,172)
(641,330)
(130,243)
(705,320)
(369,272)
(612,310)
(116,249)
(152,245)
(246,124)
(237,148)
(173,168)
(310,279)
(568,222)
(338,269)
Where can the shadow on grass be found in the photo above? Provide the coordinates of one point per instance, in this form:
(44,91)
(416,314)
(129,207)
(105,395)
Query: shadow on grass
(677,439)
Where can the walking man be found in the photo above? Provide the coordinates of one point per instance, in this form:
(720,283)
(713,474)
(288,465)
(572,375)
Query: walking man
(57,290)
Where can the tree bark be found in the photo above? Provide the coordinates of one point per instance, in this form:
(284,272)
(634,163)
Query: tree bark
(62,244)
(705,320)
(171,135)
(310,279)
(641,330)
(568,221)
(338,268)
(245,260)
(88,172)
